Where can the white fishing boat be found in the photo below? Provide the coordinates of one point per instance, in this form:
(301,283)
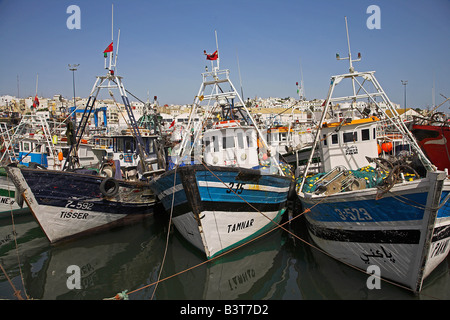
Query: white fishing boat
(363,211)
(69,203)
(232,190)
(10,201)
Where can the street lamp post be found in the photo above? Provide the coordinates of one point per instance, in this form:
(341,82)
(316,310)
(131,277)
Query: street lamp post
(405,82)
(73,68)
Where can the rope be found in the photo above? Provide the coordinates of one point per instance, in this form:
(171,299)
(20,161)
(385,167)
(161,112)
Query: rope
(216,257)
(16,292)
(168,232)
(15,241)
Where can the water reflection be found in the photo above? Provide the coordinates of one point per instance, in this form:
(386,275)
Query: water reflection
(277,266)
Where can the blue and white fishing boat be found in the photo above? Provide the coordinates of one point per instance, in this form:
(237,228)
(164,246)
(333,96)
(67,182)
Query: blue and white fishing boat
(364,211)
(220,194)
(70,202)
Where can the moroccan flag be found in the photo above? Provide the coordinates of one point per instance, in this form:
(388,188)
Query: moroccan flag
(213,56)
(36,102)
(172,124)
(108,49)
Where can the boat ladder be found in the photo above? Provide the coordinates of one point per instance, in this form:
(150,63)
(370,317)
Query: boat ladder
(6,143)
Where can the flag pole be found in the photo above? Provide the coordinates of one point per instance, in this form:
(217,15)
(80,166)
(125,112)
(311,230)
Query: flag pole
(37,79)
(217,47)
(117,51)
(112,35)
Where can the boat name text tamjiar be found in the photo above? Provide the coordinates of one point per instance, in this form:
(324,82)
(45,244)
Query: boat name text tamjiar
(240,225)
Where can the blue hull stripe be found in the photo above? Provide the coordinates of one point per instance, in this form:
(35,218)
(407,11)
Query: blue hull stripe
(370,210)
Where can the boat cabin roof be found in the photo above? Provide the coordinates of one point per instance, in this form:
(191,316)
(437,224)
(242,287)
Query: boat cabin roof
(347,144)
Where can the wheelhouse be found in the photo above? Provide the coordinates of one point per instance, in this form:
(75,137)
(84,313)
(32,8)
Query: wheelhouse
(231,147)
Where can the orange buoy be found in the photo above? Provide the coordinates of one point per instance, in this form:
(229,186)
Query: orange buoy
(387,146)
(379,148)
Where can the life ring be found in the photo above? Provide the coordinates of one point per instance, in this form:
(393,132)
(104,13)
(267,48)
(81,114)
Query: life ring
(109,187)
(226,124)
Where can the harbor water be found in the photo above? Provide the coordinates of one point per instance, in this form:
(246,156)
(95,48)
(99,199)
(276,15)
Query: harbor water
(278,266)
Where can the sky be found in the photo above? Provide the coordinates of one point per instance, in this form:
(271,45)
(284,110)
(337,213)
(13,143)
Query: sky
(272,44)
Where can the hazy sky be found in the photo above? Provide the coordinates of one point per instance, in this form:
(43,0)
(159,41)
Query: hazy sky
(162,42)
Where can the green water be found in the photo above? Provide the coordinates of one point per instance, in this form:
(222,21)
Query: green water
(278,267)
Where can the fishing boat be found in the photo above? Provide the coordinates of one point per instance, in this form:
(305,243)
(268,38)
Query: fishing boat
(10,201)
(231,190)
(292,143)
(433,136)
(367,210)
(75,201)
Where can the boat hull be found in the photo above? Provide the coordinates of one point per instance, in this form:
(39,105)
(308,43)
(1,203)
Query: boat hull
(400,233)
(435,142)
(220,208)
(8,201)
(69,204)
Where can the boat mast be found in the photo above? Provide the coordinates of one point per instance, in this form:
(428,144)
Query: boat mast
(110,81)
(367,77)
(218,95)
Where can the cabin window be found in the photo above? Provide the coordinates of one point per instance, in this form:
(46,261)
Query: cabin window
(228,142)
(324,139)
(118,145)
(249,141)
(151,145)
(215,143)
(129,146)
(283,136)
(334,138)
(365,134)
(207,145)
(350,137)
(240,138)
(26,146)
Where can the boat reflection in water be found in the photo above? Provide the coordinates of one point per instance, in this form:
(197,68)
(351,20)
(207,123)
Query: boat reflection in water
(128,259)
(247,273)
(276,266)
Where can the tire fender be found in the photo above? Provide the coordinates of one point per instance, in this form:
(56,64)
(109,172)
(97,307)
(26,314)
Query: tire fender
(109,187)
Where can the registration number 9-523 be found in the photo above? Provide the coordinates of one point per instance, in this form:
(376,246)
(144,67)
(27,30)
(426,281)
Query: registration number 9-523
(354,214)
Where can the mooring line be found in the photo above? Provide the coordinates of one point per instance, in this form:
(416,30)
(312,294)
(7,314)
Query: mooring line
(168,232)
(277,226)
(15,239)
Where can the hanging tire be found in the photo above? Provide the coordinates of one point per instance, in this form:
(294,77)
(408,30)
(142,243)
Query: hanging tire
(109,187)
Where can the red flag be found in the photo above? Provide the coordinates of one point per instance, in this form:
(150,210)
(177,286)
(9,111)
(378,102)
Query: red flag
(213,56)
(109,48)
(172,124)
(36,102)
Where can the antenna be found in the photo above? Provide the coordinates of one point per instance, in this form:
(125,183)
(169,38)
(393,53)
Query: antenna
(37,79)
(301,88)
(349,58)
(112,35)
(117,51)
(217,47)
(239,70)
